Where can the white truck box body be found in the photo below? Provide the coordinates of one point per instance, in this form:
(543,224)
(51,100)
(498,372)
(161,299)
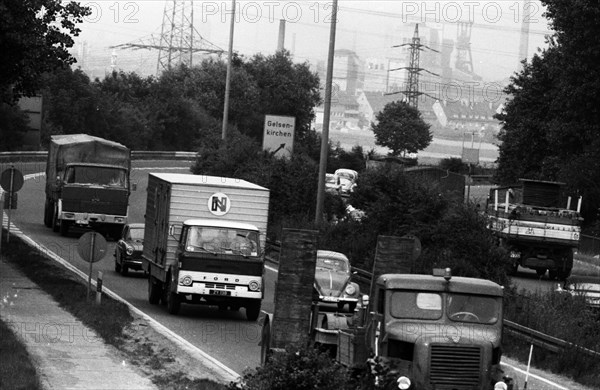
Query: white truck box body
(173,198)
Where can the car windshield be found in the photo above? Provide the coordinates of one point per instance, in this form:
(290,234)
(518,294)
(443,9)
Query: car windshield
(332,264)
(222,240)
(330,179)
(416,305)
(473,308)
(347,175)
(105,176)
(136,234)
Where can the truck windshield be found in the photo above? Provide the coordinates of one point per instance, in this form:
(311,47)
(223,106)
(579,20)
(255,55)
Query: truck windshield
(473,308)
(416,305)
(222,240)
(105,176)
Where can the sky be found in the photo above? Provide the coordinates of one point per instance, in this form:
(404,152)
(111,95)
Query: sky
(370,28)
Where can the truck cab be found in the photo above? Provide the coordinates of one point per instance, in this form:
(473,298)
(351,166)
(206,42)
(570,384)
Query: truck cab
(217,263)
(437,332)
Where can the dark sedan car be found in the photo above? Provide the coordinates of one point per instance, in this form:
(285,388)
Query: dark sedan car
(332,280)
(128,251)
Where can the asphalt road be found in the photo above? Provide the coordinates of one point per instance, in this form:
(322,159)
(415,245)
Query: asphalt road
(228,336)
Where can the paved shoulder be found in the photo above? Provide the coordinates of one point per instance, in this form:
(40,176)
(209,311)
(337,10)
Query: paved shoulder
(68,354)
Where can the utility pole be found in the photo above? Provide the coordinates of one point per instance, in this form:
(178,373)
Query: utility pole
(412,87)
(228,77)
(326,116)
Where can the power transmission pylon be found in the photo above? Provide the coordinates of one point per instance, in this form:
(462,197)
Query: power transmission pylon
(412,86)
(178,40)
(464,57)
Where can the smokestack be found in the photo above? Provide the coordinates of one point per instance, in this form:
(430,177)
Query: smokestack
(281,39)
(524,42)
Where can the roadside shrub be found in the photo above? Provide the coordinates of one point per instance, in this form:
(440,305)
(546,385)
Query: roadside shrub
(296,368)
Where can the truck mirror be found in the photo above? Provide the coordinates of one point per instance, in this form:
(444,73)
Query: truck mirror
(171,230)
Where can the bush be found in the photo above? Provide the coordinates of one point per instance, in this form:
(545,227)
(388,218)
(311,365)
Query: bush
(296,368)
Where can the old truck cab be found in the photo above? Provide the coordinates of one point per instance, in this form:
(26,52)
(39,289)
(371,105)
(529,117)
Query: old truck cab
(438,332)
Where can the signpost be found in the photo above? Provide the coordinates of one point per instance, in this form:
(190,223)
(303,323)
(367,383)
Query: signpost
(11,181)
(91,248)
(278,135)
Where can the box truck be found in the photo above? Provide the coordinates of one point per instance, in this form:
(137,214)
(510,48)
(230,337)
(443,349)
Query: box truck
(203,241)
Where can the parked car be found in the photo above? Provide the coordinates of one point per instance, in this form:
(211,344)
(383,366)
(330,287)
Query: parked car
(333,280)
(347,179)
(332,184)
(586,286)
(128,251)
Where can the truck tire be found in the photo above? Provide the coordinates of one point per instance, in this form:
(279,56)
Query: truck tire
(265,342)
(55,220)
(64,227)
(48,213)
(173,300)
(253,310)
(154,291)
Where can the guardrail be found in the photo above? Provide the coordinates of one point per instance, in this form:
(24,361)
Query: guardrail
(539,339)
(6,157)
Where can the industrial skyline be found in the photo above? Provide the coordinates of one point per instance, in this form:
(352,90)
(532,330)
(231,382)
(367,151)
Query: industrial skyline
(368,28)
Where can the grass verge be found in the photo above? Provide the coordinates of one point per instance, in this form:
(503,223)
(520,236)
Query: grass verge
(17,368)
(111,320)
(565,317)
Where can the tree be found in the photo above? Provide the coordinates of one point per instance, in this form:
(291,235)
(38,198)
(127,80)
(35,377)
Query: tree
(34,38)
(285,88)
(401,128)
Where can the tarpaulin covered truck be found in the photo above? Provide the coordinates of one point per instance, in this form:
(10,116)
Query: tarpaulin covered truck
(87,183)
(203,241)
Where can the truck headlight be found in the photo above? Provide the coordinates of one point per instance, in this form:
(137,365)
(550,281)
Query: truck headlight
(403,383)
(186,280)
(350,289)
(500,386)
(254,285)
(129,250)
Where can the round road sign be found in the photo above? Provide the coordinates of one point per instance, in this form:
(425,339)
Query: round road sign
(85,250)
(17,180)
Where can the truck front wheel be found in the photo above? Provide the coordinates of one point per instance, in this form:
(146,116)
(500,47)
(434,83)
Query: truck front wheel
(154,291)
(253,310)
(64,227)
(55,221)
(48,213)
(173,300)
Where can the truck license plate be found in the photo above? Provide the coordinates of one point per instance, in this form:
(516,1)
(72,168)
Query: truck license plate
(219,292)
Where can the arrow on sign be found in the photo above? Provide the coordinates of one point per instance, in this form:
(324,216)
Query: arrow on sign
(278,149)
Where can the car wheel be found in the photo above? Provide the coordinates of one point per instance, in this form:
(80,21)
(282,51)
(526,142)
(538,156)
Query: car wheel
(540,272)
(352,307)
(124,270)
(340,306)
(117,265)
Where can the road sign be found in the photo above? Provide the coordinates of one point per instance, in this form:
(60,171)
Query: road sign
(11,180)
(92,247)
(278,136)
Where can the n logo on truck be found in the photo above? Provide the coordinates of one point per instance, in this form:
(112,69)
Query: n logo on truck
(219,204)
